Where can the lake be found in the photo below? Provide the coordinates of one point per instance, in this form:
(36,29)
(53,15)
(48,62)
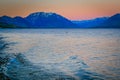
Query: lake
(60,54)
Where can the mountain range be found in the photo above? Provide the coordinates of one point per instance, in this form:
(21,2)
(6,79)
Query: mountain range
(53,20)
(103,22)
(37,20)
(90,23)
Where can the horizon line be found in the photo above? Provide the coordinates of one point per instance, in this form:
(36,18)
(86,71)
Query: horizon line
(60,15)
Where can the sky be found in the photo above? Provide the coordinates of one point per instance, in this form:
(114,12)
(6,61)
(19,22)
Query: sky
(71,9)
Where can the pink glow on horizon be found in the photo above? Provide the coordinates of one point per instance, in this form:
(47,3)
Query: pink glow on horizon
(72,9)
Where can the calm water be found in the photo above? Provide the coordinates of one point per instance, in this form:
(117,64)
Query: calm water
(60,54)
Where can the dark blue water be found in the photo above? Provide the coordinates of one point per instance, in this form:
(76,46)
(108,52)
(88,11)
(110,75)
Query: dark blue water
(60,54)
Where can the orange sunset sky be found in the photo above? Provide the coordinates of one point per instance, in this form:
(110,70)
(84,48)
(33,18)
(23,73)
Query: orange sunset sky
(71,9)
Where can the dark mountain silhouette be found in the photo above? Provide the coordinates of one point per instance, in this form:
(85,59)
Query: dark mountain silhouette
(104,22)
(53,20)
(21,22)
(48,20)
(16,22)
(90,23)
(38,20)
(112,22)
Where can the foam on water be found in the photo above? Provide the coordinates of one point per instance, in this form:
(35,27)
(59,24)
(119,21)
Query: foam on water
(63,54)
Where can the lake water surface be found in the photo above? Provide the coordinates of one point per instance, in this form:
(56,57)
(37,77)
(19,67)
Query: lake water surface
(61,54)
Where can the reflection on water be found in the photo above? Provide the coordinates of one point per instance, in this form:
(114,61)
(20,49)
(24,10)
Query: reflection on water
(56,54)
